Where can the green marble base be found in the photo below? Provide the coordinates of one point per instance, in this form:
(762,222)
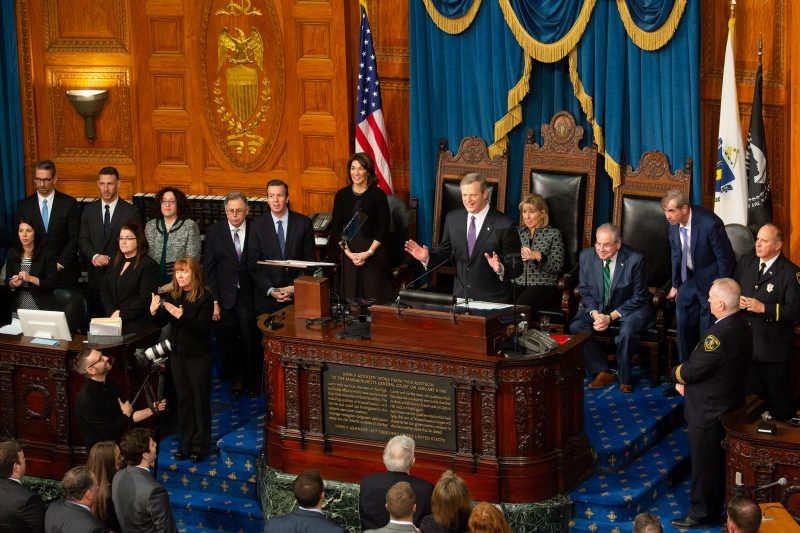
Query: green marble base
(49,489)
(341,504)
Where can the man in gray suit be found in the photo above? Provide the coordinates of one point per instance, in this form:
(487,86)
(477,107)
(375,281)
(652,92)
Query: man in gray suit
(73,514)
(21,511)
(401,507)
(99,234)
(310,493)
(141,503)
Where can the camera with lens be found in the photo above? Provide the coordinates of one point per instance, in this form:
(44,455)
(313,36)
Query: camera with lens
(154,356)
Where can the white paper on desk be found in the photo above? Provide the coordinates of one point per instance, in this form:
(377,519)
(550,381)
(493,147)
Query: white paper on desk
(105,326)
(15,328)
(295,263)
(486,306)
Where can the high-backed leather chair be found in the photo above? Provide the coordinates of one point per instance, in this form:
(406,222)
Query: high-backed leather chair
(472,156)
(638,214)
(741,239)
(565,175)
(75,307)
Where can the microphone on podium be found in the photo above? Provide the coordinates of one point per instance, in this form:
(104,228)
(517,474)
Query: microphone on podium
(782,482)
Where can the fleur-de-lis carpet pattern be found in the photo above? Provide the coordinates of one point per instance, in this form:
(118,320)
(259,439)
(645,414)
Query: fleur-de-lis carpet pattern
(642,459)
(219,493)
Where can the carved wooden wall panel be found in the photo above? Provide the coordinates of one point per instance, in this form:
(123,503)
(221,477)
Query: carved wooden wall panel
(66,27)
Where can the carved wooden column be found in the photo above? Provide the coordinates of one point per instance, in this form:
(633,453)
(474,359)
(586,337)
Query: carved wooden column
(291,384)
(488,401)
(314,438)
(6,402)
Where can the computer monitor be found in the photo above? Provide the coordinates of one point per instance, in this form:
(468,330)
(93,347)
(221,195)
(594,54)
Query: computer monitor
(44,324)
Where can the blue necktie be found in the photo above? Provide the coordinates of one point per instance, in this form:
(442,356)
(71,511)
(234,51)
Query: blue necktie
(684,255)
(281,239)
(45,214)
(107,221)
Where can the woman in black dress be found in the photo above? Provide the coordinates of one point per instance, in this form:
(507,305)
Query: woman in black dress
(30,271)
(131,280)
(366,273)
(188,308)
(451,505)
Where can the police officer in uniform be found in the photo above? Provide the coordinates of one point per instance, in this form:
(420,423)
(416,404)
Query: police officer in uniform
(711,383)
(771,299)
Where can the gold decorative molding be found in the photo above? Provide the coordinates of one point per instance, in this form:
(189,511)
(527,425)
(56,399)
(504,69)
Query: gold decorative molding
(28,110)
(54,42)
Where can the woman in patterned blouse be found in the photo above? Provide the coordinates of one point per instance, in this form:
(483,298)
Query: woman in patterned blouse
(542,255)
(30,270)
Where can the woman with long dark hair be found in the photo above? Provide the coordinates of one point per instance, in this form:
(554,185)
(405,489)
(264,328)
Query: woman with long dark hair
(188,308)
(104,461)
(366,273)
(31,271)
(130,281)
(172,234)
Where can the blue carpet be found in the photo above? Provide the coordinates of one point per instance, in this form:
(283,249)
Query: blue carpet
(642,459)
(220,493)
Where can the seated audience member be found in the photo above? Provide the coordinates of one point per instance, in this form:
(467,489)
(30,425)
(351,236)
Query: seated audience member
(72,514)
(400,507)
(130,281)
(310,493)
(451,505)
(398,456)
(141,503)
(21,510)
(104,461)
(30,270)
(101,413)
(542,256)
(613,288)
(487,518)
(171,235)
(647,523)
(744,515)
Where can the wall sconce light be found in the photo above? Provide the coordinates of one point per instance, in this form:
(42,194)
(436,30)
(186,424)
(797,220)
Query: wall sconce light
(88,103)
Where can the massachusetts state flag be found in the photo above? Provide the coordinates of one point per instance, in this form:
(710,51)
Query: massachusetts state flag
(730,198)
(759,200)
(370,128)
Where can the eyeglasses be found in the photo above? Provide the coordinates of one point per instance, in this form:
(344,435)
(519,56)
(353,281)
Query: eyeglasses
(168,202)
(129,239)
(42,180)
(99,359)
(605,246)
(235,211)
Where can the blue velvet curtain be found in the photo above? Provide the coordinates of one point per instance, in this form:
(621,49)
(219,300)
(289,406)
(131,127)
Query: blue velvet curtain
(12,182)
(643,100)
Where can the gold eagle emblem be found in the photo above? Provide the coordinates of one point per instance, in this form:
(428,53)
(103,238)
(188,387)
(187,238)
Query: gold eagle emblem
(240,48)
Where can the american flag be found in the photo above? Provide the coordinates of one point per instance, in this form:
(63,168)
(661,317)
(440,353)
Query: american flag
(370,128)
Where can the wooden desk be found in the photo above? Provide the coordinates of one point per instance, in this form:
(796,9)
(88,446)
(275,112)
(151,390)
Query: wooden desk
(776,519)
(517,422)
(38,387)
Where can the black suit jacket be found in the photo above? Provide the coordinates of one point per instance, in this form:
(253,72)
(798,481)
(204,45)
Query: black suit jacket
(21,511)
(190,334)
(498,234)
(61,237)
(302,521)
(92,239)
(372,498)
(714,374)
(43,266)
(263,245)
(779,290)
(223,269)
(131,293)
(67,517)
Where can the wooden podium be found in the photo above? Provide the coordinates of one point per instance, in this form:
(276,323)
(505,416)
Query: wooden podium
(511,427)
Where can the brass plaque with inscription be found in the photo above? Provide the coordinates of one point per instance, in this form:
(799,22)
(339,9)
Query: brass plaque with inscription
(377,404)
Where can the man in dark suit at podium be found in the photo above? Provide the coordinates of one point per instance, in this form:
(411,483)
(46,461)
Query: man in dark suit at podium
(56,216)
(277,235)
(100,223)
(771,300)
(225,266)
(398,456)
(310,493)
(482,243)
(21,511)
(613,288)
(712,383)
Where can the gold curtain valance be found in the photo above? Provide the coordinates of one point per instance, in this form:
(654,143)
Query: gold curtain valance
(651,40)
(449,25)
(514,116)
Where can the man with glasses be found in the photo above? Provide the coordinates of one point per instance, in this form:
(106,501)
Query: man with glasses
(56,216)
(225,266)
(101,413)
(100,224)
(74,511)
(613,288)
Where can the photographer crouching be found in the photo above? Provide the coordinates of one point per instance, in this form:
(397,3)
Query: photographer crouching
(102,415)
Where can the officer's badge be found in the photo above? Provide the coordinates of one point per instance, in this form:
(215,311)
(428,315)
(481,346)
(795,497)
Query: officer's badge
(797,275)
(711,343)
(770,287)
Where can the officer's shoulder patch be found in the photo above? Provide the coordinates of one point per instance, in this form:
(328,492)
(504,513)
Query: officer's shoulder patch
(711,343)
(797,275)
